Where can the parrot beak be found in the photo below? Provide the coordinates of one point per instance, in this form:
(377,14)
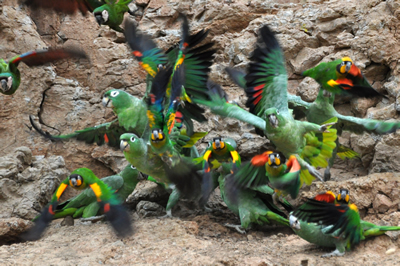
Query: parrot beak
(273,120)
(217,144)
(99,18)
(348,66)
(6,84)
(124,146)
(107,102)
(294,222)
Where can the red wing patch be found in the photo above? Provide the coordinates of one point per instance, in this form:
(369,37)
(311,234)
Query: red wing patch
(259,160)
(325,197)
(106,138)
(293,164)
(355,71)
(346,83)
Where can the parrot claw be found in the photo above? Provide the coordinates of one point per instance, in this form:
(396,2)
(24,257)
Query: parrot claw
(335,253)
(324,128)
(327,174)
(168,215)
(93,219)
(315,173)
(237,227)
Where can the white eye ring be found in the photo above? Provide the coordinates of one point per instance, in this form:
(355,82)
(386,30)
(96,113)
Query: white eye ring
(114,93)
(209,145)
(133,139)
(132,167)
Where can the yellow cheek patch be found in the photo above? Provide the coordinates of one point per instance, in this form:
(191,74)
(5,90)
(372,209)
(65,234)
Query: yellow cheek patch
(339,197)
(97,191)
(332,83)
(269,161)
(343,69)
(235,156)
(60,190)
(347,198)
(277,161)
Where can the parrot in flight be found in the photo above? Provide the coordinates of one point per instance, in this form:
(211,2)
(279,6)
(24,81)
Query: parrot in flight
(333,222)
(106,12)
(266,87)
(85,205)
(10,77)
(80,179)
(341,76)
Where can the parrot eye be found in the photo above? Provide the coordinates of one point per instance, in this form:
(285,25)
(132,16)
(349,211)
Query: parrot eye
(132,167)
(114,93)
(209,145)
(133,139)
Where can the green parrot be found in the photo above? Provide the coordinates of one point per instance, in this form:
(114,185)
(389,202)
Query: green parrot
(106,12)
(110,203)
(10,77)
(266,88)
(269,168)
(341,76)
(322,109)
(85,205)
(333,225)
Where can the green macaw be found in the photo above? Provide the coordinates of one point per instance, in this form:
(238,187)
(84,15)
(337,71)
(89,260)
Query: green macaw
(10,77)
(181,172)
(85,205)
(266,88)
(197,60)
(106,12)
(341,76)
(322,109)
(270,168)
(333,225)
(110,203)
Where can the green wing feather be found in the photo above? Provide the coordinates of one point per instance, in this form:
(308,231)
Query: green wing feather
(267,80)
(345,152)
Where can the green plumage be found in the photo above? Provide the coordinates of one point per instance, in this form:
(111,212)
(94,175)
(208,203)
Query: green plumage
(112,13)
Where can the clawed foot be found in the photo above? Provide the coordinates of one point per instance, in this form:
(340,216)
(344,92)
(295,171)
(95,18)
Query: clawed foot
(237,227)
(335,253)
(93,219)
(315,173)
(324,128)
(168,215)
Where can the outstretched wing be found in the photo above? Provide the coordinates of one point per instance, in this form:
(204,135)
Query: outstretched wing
(344,218)
(238,76)
(107,133)
(267,80)
(65,6)
(40,57)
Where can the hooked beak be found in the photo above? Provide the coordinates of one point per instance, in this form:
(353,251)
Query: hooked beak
(294,222)
(124,146)
(99,18)
(273,120)
(107,102)
(217,144)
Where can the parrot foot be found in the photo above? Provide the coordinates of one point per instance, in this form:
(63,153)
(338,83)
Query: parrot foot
(335,253)
(314,172)
(168,215)
(93,219)
(324,128)
(237,227)
(327,174)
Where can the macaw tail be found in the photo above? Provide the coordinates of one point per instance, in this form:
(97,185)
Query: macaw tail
(119,219)
(346,152)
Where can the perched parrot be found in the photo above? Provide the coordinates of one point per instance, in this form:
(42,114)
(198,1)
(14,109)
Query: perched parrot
(197,60)
(266,88)
(10,77)
(181,172)
(85,205)
(270,168)
(343,197)
(322,109)
(341,76)
(106,12)
(333,225)
(80,179)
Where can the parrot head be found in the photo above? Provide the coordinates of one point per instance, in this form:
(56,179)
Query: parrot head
(132,144)
(274,160)
(6,82)
(102,14)
(343,196)
(345,66)
(75,180)
(294,222)
(77,177)
(218,143)
(116,99)
(274,119)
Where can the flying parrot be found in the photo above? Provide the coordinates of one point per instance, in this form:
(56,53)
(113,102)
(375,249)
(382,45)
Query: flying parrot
(331,224)
(341,76)
(322,109)
(270,168)
(85,205)
(10,77)
(106,12)
(266,88)
(80,179)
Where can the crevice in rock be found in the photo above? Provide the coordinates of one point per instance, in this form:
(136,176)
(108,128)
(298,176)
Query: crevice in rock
(41,110)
